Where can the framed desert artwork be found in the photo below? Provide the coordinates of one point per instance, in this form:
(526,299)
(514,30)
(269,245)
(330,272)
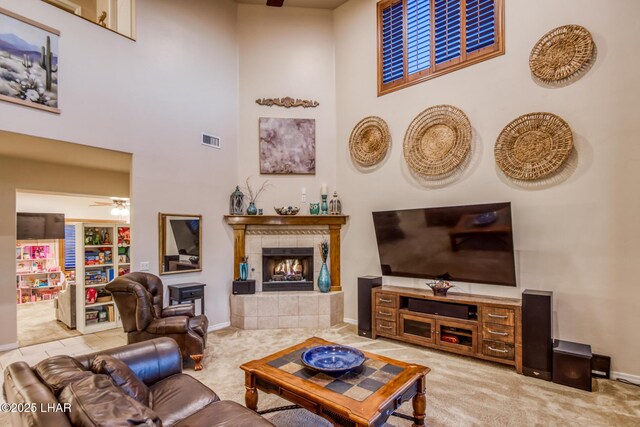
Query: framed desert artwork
(287,146)
(28,62)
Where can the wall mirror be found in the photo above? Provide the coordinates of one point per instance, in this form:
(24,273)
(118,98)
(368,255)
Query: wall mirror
(180,243)
(116,15)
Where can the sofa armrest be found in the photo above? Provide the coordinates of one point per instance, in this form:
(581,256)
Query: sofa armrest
(22,385)
(188,310)
(150,360)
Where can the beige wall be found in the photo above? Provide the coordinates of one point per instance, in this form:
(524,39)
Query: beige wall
(152,98)
(577,238)
(286,52)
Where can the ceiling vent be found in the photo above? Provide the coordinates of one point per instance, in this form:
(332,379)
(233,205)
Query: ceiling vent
(210,141)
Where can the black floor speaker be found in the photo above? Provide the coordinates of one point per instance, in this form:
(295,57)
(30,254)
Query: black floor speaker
(365,286)
(537,334)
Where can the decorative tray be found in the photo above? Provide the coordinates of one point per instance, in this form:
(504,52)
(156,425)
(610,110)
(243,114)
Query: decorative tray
(332,359)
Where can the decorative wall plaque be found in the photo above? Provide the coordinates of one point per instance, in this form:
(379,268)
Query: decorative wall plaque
(287,102)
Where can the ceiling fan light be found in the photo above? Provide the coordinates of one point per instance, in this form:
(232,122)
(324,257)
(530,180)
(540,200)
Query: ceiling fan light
(115,211)
(124,212)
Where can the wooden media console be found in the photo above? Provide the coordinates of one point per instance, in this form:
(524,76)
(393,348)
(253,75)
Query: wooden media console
(480,326)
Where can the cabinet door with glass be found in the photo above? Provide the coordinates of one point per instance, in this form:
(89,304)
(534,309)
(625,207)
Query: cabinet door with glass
(416,328)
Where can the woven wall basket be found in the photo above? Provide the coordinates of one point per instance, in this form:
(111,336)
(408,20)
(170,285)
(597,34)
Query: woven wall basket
(561,53)
(369,142)
(437,141)
(533,146)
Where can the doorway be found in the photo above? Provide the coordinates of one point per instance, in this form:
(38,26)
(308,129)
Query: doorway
(44,176)
(46,260)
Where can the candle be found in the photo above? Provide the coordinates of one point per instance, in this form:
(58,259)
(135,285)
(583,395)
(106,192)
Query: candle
(324,189)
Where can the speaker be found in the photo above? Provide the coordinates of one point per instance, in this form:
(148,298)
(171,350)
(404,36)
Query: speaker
(365,286)
(537,343)
(244,287)
(572,364)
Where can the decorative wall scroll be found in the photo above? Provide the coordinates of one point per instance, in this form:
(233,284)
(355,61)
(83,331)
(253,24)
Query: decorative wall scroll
(287,102)
(533,146)
(437,141)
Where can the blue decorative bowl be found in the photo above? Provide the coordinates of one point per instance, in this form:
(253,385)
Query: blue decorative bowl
(486,218)
(333,359)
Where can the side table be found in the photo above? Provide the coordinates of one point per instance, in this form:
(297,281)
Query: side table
(191,291)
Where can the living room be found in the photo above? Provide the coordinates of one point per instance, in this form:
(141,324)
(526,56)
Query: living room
(198,67)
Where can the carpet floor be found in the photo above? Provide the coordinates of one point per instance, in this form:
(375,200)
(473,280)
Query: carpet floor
(461,391)
(37,324)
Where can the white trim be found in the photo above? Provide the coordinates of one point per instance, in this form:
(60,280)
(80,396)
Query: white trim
(633,378)
(67,5)
(10,346)
(218,326)
(350,321)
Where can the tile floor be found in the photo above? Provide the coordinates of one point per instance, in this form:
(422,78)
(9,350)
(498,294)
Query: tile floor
(71,346)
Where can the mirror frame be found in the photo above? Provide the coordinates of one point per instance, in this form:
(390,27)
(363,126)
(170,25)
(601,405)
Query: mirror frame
(133,18)
(162,238)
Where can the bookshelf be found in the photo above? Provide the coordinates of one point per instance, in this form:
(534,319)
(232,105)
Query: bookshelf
(103,252)
(38,272)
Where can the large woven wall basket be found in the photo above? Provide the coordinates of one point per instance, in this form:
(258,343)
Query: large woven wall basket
(437,141)
(562,54)
(369,142)
(533,146)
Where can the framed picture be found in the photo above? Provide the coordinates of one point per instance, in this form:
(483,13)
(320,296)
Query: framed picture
(287,146)
(28,62)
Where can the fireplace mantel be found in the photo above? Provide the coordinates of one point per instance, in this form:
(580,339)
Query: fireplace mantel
(334,223)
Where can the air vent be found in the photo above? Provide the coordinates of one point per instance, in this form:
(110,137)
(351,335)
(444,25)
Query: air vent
(210,141)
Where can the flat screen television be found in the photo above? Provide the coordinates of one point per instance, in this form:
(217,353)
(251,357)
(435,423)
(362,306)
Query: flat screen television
(39,226)
(458,243)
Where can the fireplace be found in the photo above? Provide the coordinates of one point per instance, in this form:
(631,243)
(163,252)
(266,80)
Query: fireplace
(287,269)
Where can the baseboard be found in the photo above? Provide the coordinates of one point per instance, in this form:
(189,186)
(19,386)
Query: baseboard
(10,346)
(218,326)
(350,321)
(633,378)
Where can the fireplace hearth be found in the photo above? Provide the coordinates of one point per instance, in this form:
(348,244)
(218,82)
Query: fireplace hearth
(287,269)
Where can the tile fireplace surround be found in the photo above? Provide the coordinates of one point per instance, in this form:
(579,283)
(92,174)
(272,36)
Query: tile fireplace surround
(287,309)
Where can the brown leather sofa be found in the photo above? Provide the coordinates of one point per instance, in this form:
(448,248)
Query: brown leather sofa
(174,398)
(139,297)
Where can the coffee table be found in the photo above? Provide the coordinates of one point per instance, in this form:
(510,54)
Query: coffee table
(365,397)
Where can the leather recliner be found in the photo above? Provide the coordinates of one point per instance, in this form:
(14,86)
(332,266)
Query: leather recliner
(139,298)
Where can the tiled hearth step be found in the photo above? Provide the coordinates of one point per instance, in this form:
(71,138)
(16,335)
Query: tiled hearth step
(284,310)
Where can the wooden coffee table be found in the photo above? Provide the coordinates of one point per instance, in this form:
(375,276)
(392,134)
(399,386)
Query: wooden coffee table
(365,397)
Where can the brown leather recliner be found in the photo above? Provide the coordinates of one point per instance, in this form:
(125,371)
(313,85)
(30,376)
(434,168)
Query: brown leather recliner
(139,298)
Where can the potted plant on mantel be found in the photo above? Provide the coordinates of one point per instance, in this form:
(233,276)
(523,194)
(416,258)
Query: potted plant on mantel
(253,196)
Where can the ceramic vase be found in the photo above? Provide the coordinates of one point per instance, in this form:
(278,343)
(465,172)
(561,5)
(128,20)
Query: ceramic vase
(324,279)
(244,271)
(252,210)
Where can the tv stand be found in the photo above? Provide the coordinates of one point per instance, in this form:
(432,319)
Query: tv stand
(480,326)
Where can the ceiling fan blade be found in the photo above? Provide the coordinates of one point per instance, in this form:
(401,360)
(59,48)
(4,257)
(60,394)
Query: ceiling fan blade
(101,204)
(275,3)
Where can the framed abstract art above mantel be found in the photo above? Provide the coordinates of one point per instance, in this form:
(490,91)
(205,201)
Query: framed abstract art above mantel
(28,62)
(287,146)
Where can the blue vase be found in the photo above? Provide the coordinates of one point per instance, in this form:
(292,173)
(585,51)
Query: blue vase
(244,271)
(324,279)
(251,209)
